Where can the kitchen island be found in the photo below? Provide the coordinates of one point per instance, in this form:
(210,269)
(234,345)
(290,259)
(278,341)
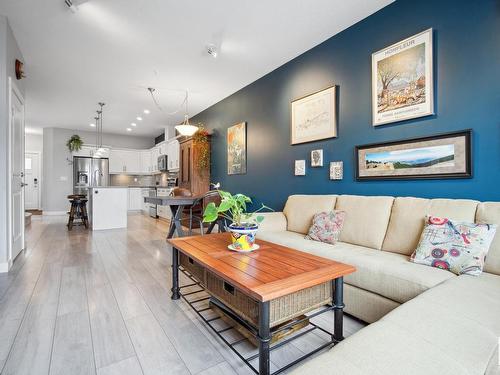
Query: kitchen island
(108,207)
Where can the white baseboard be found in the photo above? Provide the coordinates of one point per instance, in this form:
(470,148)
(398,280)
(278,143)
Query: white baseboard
(54,213)
(5,267)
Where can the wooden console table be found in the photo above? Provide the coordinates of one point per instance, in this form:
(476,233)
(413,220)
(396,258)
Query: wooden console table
(261,290)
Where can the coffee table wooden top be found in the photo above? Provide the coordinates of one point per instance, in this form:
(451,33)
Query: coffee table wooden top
(272,271)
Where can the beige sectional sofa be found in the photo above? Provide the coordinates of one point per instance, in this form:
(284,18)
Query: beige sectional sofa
(425,320)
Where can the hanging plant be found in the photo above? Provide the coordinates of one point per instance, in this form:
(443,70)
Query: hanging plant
(200,139)
(74,143)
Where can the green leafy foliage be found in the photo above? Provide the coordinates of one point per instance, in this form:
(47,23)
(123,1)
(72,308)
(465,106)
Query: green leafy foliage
(233,208)
(74,143)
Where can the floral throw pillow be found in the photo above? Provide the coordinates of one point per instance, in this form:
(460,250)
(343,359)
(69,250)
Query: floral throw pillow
(326,226)
(455,246)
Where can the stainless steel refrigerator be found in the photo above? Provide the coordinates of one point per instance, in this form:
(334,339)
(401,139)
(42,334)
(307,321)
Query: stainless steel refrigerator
(89,172)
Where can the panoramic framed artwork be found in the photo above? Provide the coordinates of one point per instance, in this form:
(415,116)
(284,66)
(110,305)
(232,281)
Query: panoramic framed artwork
(300,167)
(440,156)
(402,83)
(314,117)
(316,158)
(237,149)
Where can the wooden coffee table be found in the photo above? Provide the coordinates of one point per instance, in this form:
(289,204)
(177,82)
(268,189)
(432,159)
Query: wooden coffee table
(262,290)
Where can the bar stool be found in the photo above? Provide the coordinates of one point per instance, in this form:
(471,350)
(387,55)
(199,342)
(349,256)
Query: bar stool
(78,210)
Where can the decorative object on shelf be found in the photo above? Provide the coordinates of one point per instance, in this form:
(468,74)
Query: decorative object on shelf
(186,128)
(237,149)
(244,224)
(316,158)
(75,143)
(200,139)
(314,117)
(300,167)
(439,156)
(402,83)
(19,68)
(336,170)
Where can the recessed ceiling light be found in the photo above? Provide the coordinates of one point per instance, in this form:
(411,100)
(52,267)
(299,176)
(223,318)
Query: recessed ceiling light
(133,124)
(146,111)
(139,118)
(129,129)
(93,125)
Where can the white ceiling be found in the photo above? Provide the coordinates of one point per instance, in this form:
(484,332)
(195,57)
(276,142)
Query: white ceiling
(111,50)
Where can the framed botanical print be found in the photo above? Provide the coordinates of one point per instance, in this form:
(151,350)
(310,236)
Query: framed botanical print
(314,117)
(237,149)
(402,83)
(439,156)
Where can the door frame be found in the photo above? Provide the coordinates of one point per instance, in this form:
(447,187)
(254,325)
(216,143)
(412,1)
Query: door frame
(40,181)
(14,90)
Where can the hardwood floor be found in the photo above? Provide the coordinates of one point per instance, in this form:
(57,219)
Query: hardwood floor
(98,303)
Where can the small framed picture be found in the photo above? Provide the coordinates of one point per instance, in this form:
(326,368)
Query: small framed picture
(300,167)
(336,170)
(316,158)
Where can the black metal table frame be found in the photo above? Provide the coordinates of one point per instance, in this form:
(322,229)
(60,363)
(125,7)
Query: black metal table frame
(263,333)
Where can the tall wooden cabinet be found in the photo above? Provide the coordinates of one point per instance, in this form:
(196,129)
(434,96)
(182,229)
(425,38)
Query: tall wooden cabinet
(191,176)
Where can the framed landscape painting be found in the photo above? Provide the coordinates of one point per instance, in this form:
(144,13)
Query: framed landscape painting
(314,117)
(402,84)
(237,149)
(441,156)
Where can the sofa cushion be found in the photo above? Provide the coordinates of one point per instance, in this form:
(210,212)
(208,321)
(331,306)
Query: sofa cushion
(489,212)
(408,217)
(436,332)
(360,226)
(456,209)
(326,226)
(390,275)
(459,247)
(300,209)
(406,224)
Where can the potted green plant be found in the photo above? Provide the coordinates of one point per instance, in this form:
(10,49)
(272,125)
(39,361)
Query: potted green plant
(244,225)
(74,143)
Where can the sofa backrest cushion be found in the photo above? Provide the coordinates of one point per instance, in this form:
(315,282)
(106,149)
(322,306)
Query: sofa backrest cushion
(408,217)
(456,209)
(489,213)
(406,224)
(300,209)
(366,219)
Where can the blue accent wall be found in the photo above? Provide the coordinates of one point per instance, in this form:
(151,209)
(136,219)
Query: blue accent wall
(466,90)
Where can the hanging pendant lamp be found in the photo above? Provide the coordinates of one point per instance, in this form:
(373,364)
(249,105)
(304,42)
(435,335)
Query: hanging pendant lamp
(185,128)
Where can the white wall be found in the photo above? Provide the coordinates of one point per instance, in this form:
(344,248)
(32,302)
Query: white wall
(9,52)
(33,143)
(58,171)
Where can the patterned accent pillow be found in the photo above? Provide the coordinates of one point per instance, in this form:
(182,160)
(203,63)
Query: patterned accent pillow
(326,226)
(455,246)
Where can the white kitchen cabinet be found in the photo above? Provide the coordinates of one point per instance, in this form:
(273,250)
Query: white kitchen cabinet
(145,156)
(124,161)
(135,199)
(155,153)
(173,152)
(85,151)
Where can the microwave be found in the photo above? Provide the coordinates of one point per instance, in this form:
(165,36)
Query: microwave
(162,163)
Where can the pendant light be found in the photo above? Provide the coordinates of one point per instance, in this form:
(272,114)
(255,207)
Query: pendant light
(100,151)
(185,128)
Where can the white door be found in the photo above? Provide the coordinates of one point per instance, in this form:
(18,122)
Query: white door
(32,180)
(16,129)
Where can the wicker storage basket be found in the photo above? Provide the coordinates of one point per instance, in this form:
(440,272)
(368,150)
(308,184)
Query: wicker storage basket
(194,268)
(282,309)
